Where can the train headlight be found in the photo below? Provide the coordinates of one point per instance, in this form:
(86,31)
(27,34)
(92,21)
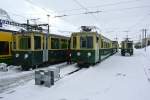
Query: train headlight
(17,55)
(78,53)
(89,54)
(26,56)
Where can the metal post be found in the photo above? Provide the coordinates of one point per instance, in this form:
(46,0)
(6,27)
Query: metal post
(27,25)
(52,77)
(142,38)
(48,23)
(145,39)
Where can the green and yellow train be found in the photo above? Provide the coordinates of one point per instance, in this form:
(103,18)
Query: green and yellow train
(126,47)
(115,46)
(5,46)
(89,48)
(31,49)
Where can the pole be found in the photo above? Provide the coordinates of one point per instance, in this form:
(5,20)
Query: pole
(145,39)
(140,41)
(142,38)
(27,25)
(48,23)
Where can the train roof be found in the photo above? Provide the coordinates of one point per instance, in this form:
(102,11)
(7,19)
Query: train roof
(59,36)
(53,35)
(105,38)
(84,33)
(5,30)
(126,41)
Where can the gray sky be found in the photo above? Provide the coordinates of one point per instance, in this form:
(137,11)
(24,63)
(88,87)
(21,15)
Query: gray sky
(116,16)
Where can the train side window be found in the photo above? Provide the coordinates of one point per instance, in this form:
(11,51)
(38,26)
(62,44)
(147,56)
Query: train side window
(55,43)
(63,44)
(102,44)
(14,45)
(74,42)
(37,42)
(123,45)
(14,42)
(25,42)
(4,48)
(97,38)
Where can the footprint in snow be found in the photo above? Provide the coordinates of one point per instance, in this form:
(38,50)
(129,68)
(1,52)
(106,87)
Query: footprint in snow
(120,74)
(63,99)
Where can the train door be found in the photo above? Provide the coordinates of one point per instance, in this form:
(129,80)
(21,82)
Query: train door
(97,49)
(45,48)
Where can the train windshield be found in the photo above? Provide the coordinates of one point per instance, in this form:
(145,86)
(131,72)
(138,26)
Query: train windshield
(129,45)
(25,42)
(4,48)
(86,42)
(37,42)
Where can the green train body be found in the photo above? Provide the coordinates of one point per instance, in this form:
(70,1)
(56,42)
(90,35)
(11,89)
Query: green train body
(126,47)
(33,49)
(89,48)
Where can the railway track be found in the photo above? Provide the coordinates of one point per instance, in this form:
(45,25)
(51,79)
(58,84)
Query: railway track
(7,84)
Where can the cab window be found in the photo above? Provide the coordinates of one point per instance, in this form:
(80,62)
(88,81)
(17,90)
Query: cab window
(4,48)
(37,42)
(129,45)
(25,42)
(86,42)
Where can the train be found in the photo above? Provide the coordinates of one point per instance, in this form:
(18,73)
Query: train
(89,47)
(31,49)
(115,46)
(127,47)
(5,46)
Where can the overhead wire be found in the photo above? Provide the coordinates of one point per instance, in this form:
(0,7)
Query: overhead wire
(106,11)
(138,22)
(95,18)
(29,1)
(99,6)
(111,4)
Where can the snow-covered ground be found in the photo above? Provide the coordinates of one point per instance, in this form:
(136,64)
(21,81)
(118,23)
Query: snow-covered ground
(14,77)
(117,78)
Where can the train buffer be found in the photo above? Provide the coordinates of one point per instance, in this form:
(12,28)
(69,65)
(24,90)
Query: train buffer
(47,77)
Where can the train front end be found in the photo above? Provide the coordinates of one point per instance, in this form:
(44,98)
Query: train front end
(5,46)
(28,49)
(84,48)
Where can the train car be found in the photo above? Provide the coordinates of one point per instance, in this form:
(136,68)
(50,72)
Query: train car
(126,47)
(115,46)
(106,49)
(5,46)
(88,47)
(57,48)
(31,49)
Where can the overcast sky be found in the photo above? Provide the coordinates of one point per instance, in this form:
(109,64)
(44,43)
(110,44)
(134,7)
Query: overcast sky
(115,17)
